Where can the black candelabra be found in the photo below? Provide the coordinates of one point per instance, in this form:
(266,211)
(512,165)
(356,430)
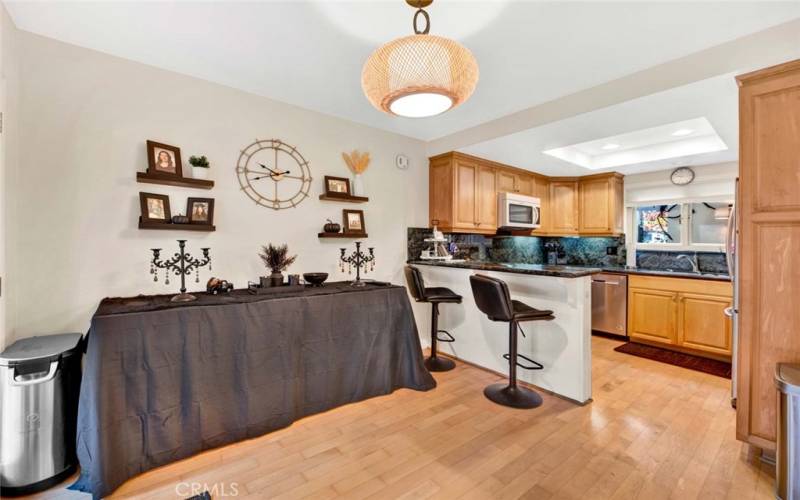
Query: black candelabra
(181,264)
(358,259)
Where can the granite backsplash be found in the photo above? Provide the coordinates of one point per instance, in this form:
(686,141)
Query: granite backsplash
(522,249)
(708,262)
(583,251)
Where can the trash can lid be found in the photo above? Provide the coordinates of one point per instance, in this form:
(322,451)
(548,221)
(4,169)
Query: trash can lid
(37,348)
(787,378)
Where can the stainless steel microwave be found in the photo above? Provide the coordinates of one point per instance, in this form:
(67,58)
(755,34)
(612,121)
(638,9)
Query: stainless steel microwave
(517,211)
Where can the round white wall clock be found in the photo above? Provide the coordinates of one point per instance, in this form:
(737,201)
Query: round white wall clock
(273,174)
(682,176)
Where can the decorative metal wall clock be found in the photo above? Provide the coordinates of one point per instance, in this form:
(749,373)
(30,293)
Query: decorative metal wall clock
(274,174)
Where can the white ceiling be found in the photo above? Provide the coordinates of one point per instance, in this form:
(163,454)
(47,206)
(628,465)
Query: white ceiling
(644,146)
(716,99)
(310,54)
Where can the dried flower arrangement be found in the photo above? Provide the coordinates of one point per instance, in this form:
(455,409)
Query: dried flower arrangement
(357,161)
(276,257)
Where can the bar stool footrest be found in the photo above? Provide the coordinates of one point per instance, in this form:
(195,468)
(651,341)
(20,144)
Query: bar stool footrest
(449,338)
(535,364)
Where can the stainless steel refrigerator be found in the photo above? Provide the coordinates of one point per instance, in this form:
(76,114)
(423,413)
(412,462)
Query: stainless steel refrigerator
(732,259)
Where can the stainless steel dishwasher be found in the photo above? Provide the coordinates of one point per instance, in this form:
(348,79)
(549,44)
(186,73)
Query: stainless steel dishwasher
(610,303)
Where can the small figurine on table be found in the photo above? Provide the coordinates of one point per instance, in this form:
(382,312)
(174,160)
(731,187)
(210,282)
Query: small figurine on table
(216,286)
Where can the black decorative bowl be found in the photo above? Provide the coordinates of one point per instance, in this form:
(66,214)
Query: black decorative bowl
(316,279)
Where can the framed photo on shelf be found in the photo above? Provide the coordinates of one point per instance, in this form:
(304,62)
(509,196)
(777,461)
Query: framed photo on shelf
(200,210)
(164,160)
(337,186)
(353,221)
(155,207)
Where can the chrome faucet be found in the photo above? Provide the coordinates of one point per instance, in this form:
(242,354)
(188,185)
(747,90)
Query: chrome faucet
(692,260)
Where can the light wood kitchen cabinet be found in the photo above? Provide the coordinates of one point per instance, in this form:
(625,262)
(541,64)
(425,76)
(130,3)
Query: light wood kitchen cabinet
(768,243)
(541,190)
(564,206)
(486,197)
(525,184)
(464,188)
(703,325)
(506,182)
(463,195)
(601,204)
(682,313)
(652,315)
(510,182)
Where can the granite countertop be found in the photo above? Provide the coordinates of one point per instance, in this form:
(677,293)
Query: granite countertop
(567,271)
(535,269)
(667,273)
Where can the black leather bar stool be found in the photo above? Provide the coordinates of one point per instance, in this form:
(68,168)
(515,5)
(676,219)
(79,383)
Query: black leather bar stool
(492,298)
(435,296)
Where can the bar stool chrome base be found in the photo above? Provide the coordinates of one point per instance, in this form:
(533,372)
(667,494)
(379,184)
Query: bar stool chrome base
(513,396)
(439,364)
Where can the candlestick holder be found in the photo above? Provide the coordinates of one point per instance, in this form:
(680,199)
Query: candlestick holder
(181,264)
(358,259)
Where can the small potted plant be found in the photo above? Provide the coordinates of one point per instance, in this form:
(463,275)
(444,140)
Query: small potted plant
(276,259)
(200,167)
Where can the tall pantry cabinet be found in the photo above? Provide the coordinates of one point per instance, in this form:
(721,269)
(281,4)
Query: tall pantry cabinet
(768,243)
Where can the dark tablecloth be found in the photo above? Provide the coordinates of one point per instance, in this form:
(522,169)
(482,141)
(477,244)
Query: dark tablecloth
(163,382)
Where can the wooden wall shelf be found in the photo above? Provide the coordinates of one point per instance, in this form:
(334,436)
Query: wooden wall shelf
(177,227)
(344,199)
(354,236)
(174,181)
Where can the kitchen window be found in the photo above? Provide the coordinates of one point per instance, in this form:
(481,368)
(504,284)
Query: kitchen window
(658,224)
(698,226)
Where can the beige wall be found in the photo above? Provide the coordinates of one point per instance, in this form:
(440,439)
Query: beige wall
(74,199)
(715,182)
(9,91)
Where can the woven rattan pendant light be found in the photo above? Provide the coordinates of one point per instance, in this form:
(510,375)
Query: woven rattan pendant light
(419,75)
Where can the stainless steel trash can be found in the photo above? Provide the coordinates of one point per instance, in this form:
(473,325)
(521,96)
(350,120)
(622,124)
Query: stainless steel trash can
(40,381)
(787,457)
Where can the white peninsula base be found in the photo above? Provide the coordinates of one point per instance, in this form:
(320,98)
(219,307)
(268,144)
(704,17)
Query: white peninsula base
(562,345)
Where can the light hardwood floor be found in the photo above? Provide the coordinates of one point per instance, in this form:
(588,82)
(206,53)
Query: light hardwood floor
(653,431)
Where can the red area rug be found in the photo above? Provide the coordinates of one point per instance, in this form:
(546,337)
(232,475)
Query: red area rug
(697,363)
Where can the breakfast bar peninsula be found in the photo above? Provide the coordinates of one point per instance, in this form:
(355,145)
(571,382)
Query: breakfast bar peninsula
(562,345)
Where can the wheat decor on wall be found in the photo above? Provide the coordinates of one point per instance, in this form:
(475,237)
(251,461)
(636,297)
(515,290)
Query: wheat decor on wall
(357,161)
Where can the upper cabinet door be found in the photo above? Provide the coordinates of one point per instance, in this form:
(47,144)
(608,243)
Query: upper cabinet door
(595,206)
(441,193)
(525,184)
(564,207)
(601,205)
(506,182)
(486,216)
(466,191)
(541,190)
